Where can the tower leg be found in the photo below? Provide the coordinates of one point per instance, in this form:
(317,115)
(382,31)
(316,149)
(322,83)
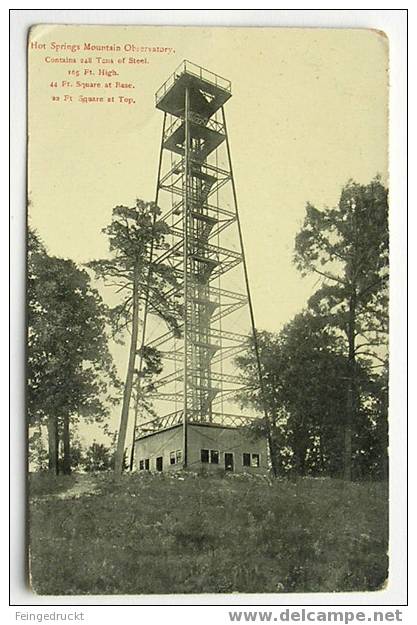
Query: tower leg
(251,313)
(185,260)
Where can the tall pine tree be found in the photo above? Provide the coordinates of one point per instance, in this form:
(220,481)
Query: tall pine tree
(347,246)
(135,236)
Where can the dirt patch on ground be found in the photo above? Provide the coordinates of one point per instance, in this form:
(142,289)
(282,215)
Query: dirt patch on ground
(84,485)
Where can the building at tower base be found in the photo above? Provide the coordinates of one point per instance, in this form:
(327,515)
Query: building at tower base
(211,448)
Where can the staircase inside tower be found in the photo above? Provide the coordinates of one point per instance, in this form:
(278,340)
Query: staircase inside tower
(202,262)
(205,135)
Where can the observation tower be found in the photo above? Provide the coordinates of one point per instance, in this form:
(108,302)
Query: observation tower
(200,423)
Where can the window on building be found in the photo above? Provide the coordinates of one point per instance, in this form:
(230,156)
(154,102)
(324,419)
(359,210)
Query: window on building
(146,464)
(141,465)
(246,460)
(178,456)
(214,456)
(172,457)
(255,460)
(204,455)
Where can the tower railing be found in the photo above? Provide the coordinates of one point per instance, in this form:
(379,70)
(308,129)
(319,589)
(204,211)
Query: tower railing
(175,418)
(187,67)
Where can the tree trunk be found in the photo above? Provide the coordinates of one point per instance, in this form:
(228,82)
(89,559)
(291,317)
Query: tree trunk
(300,453)
(52,445)
(132,451)
(272,453)
(351,391)
(303,459)
(124,418)
(347,465)
(384,447)
(66,464)
(321,455)
(271,425)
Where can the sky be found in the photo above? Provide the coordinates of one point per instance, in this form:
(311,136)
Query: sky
(309,111)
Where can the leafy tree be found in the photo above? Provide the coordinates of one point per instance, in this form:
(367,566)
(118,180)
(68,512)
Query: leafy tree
(304,372)
(347,246)
(38,454)
(70,370)
(265,399)
(302,391)
(98,457)
(370,448)
(134,234)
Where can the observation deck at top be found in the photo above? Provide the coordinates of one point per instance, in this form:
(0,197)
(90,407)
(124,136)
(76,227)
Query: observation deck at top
(208,91)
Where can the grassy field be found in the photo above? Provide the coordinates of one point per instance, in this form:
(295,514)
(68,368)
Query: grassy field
(193,534)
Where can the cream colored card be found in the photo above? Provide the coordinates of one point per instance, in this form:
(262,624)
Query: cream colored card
(208,274)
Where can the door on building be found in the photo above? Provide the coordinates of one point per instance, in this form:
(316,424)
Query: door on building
(159,463)
(228,462)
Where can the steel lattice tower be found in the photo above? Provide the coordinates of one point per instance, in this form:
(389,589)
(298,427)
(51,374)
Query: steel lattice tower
(196,193)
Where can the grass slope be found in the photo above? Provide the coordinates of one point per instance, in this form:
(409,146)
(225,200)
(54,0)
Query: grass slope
(194,534)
